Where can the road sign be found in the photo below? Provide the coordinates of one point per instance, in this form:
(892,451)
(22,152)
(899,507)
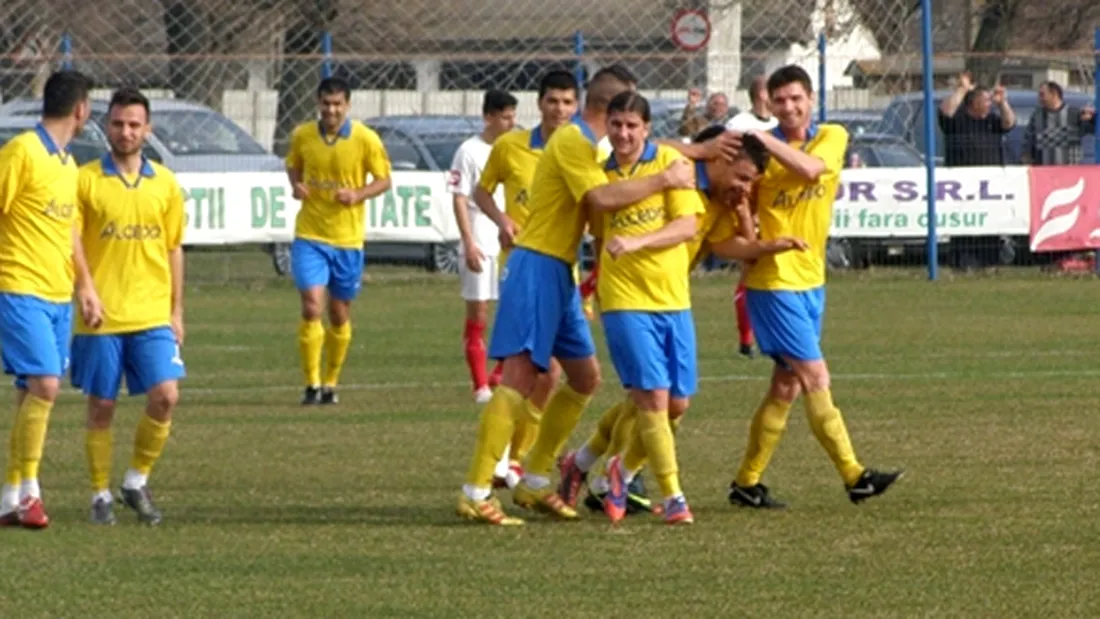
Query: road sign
(690,30)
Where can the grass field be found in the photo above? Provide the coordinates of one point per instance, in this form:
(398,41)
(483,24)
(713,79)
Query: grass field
(983,388)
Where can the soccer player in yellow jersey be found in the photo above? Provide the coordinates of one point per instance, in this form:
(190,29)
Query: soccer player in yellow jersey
(727,231)
(39,257)
(539,315)
(329,163)
(645,302)
(132,229)
(786,292)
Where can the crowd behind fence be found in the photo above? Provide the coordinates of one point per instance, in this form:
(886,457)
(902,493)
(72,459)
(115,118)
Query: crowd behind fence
(256,63)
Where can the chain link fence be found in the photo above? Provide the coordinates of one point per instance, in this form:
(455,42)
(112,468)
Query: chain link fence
(250,67)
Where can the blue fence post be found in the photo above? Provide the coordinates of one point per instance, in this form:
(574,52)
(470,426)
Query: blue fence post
(822,72)
(326,53)
(578,51)
(1095,120)
(66,51)
(929,134)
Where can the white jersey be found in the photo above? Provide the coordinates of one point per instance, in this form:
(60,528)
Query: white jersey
(465,173)
(747,121)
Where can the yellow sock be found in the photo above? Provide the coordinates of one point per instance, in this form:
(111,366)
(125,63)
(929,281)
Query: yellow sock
(558,421)
(830,431)
(653,430)
(14,473)
(494,431)
(337,342)
(527,430)
(633,449)
(311,337)
(623,432)
(97,445)
(674,424)
(149,442)
(768,425)
(35,418)
(600,440)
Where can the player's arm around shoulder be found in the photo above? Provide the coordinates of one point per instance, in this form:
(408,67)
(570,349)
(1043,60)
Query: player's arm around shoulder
(829,146)
(677,173)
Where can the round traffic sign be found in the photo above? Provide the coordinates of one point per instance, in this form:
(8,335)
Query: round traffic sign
(690,30)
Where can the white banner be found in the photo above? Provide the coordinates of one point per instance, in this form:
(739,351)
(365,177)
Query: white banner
(257,207)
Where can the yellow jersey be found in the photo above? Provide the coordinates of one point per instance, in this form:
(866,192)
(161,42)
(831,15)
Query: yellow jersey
(329,163)
(648,280)
(718,223)
(512,162)
(568,169)
(37,213)
(128,226)
(788,205)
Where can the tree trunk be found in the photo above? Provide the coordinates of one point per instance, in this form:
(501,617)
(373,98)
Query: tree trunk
(991,42)
(188,33)
(302,29)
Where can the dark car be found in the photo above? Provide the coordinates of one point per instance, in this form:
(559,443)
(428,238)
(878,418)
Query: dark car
(904,117)
(879,150)
(88,146)
(422,143)
(857,122)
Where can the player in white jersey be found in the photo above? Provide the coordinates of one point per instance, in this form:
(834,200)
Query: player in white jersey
(480,247)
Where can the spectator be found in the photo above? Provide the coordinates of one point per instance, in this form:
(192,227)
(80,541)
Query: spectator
(1053,135)
(973,132)
(760,116)
(717,112)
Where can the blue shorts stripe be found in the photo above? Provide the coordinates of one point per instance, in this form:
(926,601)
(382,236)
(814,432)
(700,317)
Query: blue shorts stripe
(539,311)
(145,359)
(653,350)
(316,264)
(34,336)
(788,324)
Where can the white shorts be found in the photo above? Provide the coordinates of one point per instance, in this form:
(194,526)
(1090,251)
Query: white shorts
(483,286)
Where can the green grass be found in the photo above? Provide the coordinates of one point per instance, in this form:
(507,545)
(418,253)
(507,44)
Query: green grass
(984,389)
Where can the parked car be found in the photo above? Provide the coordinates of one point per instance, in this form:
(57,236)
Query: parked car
(88,146)
(880,150)
(857,122)
(187,137)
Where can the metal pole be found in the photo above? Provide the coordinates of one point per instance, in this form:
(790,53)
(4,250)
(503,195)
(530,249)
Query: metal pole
(66,51)
(823,105)
(929,134)
(1095,120)
(578,51)
(326,52)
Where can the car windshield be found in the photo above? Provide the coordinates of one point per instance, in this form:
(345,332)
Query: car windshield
(859,126)
(202,132)
(443,146)
(83,150)
(897,156)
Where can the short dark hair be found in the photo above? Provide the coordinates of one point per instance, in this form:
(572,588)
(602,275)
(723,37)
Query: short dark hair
(790,74)
(630,101)
(334,86)
(497,101)
(754,150)
(709,133)
(619,72)
(606,84)
(63,92)
(124,97)
(557,79)
(1054,87)
(972,95)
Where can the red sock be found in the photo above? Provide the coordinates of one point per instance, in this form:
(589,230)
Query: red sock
(496,374)
(475,352)
(744,325)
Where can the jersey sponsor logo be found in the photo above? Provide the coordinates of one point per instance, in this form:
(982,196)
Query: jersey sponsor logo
(59,211)
(130,232)
(637,217)
(324,185)
(795,197)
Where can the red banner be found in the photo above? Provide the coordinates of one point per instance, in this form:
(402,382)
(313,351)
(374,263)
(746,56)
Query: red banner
(1065,208)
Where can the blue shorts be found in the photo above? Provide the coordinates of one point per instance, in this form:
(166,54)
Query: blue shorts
(653,350)
(146,358)
(318,264)
(34,336)
(539,311)
(788,324)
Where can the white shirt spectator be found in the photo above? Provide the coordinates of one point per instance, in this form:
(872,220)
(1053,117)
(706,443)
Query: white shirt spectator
(465,173)
(747,121)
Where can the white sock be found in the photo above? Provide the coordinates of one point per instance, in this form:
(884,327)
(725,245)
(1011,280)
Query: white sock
(599,485)
(514,476)
(102,495)
(30,489)
(585,458)
(9,498)
(474,493)
(134,480)
(536,482)
(502,465)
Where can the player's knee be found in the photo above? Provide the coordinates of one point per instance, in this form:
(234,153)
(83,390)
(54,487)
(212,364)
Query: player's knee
(100,413)
(585,381)
(311,305)
(44,387)
(785,386)
(520,374)
(677,407)
(339,312)
(162,399)
(812,375)
(477,311)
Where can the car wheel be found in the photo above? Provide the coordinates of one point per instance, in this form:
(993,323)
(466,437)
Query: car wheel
(280,258)
(444,258)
